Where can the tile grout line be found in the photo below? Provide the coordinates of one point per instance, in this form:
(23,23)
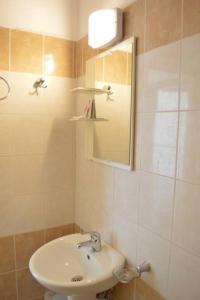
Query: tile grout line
(74,129)
(140,143)
(113,200)
(9,49)
(43,56)
(177,146)
(15,259)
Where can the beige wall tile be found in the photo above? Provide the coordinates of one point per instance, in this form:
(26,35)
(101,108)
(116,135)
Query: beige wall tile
(5,175)
(55,101)
(6,135)
(163,22)
(184,276)
(59,99)
(115,70)
(87,51)
(156,203)
(5,105)
(59,137)
(188,166)
(99,69)
(21,214)
(59,207)
(137,142)
(28,288)
(161,78)
(156,250)
(79,58)
(62,54)
(84,177)
(145,292)
(186,229)
(159,134)
(123,291)
(4,48)
(26,244)
(134,23)
(57,172)
(126,198)
(22,45)
(190,73)
(7,261)
(77,228)
(41,173)
(191,17)
(103,188)
(8,286)
(124,239)
(56,232)
(95,203)
(29,174)
(92,215)
(30,134)
(19,101)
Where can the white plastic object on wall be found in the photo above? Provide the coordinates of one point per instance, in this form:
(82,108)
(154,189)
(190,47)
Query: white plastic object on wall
(105,27)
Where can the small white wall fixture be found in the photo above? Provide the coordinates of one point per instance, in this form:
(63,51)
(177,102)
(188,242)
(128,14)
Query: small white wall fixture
(105,27)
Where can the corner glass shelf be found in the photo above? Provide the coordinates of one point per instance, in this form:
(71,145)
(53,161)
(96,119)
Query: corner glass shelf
(84,119)
(92,90)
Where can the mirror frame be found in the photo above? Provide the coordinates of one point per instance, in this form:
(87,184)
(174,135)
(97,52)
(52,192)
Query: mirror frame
(90,125)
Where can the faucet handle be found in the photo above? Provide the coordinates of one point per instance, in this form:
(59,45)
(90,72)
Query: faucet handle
(94,235)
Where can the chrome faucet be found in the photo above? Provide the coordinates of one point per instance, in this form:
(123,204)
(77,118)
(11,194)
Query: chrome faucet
(94,242)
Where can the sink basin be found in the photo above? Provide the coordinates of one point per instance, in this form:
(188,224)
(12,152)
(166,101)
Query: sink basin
(78,273)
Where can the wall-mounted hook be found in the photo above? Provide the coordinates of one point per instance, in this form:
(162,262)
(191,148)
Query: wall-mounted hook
(39,83)
(109,93)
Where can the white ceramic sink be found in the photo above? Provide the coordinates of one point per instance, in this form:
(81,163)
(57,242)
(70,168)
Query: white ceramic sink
(58,263)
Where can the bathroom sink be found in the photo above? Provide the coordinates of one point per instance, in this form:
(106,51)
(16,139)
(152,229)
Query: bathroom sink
(78,273)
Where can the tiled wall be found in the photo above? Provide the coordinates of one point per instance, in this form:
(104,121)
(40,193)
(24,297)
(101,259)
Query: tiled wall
(153,213)
(22,51)
(16,282)
(115,68)
(149,214)
(36,154)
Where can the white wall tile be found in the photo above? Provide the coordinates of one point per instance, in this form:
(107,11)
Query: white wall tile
(184,276)
(156,203)
(126,200)
(37,152)
(124,239)
(190,73)
(6,135)
(156,251)
(59,207)
(159,136)
(161,78)
(20,214)
(139,83)
(188,167)
(186,231)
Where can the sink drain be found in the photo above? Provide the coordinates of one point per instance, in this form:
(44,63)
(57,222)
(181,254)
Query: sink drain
(77,278)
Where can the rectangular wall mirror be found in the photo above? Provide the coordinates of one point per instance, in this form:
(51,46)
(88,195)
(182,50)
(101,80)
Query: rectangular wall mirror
(113,71)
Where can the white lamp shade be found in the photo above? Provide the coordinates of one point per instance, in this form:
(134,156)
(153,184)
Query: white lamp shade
(105,27)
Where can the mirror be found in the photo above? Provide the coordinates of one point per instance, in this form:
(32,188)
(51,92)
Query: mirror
(113,71)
